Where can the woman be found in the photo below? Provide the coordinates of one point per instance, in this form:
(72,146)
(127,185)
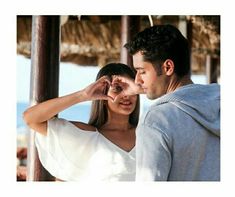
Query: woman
(103,149)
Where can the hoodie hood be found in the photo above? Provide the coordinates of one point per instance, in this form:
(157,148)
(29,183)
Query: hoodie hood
(201,102)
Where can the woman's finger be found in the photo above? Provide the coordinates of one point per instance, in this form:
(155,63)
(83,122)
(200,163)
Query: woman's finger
(106,97)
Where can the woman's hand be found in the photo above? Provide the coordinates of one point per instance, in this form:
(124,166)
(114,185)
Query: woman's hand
(98,90)
(126,85)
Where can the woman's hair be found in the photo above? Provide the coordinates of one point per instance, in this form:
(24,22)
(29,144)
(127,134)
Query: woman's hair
(99,111)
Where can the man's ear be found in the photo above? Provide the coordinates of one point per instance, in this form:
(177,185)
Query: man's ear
(168,67)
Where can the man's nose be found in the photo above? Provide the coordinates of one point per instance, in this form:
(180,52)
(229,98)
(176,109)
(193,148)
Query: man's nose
(138,79)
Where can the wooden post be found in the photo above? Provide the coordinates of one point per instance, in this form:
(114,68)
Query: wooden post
(130,25)
(190,40)
(211,69)
(44,80)
(183,25)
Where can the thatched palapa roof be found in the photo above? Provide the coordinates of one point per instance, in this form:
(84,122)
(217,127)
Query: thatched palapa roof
(95,40)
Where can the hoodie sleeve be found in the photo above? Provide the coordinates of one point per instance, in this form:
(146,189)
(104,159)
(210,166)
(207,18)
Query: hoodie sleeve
(153,155)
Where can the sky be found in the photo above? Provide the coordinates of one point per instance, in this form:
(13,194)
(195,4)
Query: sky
(72,78)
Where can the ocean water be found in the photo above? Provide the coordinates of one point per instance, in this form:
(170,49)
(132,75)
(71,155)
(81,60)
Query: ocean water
(80,112)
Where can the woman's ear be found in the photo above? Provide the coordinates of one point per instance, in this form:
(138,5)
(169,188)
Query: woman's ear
(168,67)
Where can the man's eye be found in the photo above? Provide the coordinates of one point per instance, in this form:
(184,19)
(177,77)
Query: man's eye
(141,72)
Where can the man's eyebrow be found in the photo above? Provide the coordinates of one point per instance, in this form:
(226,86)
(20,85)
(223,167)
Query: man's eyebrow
(139,68)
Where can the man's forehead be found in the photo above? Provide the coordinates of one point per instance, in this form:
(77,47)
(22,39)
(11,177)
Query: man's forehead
(137,59)
(138,56)
(139,62)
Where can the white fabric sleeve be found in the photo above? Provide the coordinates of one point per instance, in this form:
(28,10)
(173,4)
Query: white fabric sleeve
(48,147)
(60,150)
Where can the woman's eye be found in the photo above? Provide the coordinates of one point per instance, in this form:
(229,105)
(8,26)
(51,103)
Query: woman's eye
(116,89)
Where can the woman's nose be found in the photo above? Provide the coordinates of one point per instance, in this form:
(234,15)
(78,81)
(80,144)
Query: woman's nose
(126,97)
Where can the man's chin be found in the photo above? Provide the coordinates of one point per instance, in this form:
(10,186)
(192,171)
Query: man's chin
(151,96)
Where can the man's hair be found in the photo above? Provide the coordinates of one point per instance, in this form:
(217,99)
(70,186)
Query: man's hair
(162,42)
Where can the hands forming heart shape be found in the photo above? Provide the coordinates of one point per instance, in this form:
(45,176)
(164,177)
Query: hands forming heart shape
(119,85)
(112,89)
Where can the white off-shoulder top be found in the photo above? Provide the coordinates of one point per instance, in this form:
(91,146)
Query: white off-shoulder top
(72,154)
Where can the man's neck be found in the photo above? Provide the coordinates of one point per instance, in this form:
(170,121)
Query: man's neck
(177,82)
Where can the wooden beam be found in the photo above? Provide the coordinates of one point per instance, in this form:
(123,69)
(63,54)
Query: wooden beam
(44,80)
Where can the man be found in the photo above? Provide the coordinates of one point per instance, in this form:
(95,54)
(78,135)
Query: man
(178,139)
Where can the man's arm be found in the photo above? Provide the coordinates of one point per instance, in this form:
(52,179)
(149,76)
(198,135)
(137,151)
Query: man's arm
(153,158)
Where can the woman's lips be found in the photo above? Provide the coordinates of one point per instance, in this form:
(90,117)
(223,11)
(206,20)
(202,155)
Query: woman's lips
(126,103)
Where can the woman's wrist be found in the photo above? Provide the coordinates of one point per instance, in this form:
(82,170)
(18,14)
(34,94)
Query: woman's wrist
(82,96)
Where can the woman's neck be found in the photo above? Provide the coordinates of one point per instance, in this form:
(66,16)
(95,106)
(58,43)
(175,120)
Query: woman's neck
(117,122)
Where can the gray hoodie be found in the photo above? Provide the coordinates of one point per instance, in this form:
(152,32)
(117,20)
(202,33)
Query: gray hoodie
(178,139)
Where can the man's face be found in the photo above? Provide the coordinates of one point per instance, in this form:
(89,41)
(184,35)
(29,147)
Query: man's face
(154,84)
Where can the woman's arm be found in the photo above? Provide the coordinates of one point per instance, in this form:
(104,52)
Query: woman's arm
(36,116)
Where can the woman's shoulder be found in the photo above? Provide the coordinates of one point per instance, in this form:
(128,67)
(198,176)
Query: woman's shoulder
(84,126)
(63,123)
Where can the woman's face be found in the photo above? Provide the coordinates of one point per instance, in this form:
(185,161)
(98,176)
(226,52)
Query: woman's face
(123,104)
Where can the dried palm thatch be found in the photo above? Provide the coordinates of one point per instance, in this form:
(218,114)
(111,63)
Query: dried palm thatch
(96,40)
